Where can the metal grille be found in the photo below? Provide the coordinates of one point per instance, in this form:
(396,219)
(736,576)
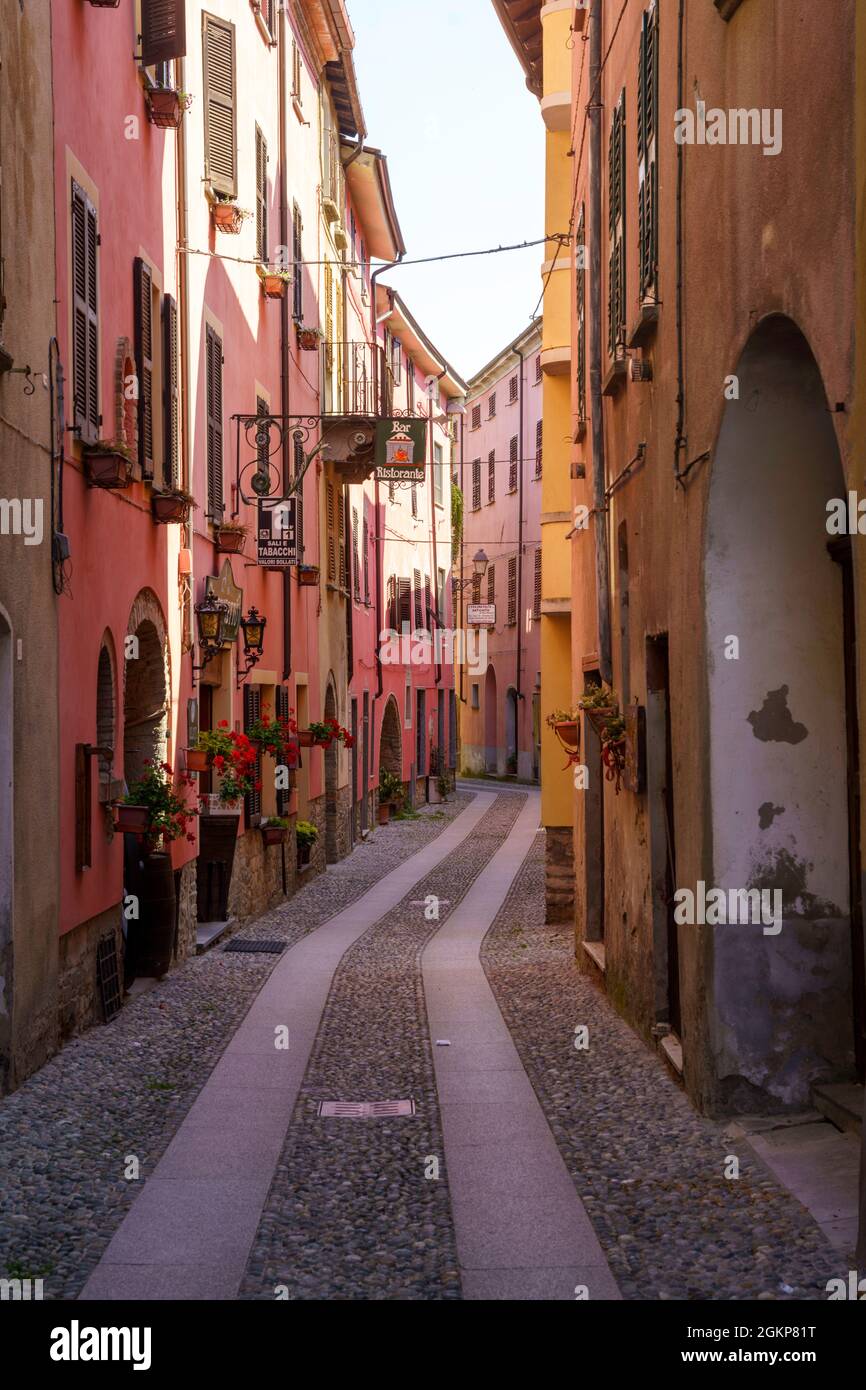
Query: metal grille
(108,976)
(268,948)
(365,1109)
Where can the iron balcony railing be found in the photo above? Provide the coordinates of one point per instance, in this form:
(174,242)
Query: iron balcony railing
(356,379)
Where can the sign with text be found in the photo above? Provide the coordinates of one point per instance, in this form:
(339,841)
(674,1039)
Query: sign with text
(400,450)
(277,532)
(481,615)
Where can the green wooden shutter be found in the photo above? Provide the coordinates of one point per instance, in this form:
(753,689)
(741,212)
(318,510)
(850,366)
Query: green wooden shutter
(214,373)
(171,395)
(163,31)
(143,290)
(220,101)
(85,316)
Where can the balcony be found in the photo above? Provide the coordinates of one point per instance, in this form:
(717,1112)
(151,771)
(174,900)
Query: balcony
(357,389)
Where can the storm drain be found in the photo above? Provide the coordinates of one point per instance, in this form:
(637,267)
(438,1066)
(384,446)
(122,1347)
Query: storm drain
(269,948)
(366,1109)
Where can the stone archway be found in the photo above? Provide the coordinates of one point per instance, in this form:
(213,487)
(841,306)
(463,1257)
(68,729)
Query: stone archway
(391,740)
(491,750)
(331,773)
(147,683)
(775,624)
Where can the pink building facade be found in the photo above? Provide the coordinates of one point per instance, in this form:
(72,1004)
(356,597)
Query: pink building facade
(501,480)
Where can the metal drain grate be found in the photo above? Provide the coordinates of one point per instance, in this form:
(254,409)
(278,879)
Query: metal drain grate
(366,1109)
(270,948)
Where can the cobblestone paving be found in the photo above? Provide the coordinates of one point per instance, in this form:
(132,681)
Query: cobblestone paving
(648,1168)
(351,1214)
(124,1089)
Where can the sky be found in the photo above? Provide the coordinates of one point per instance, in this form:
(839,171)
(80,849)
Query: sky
(445,99)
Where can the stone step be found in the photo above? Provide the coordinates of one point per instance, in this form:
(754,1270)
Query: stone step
(841,1104)
(207,934)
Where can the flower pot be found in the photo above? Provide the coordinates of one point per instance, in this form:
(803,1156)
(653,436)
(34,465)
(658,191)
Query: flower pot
(164,108)
(321,741)
(384,812)
(107,470)
(274,286)
(197,760)
(230,542)
(169,508)
(305,738)
(304,852)
(132,820)
(273,834)
(308,575)
(227,218)
(309,339)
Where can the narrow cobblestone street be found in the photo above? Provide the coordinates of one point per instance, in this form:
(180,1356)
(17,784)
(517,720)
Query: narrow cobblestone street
(367,1208)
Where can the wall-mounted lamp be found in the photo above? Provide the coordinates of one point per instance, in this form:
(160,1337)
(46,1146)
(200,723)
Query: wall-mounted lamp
(253,626)
(210,616)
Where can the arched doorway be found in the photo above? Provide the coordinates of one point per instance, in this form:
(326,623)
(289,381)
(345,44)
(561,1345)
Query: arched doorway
(511,731)
(491,751)
(146,687)
(780,722)
(331,846)
(391,740)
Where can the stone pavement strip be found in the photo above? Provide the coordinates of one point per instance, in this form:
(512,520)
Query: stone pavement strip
(188,1234)
(522,1231)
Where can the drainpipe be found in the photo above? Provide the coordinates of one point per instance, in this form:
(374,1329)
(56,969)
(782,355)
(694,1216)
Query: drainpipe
(285,398)
(679,441)
(434,577)
(602,564)
(518,692)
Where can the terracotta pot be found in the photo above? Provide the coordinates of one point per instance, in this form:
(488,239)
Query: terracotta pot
(197,760)
(567,730)
(132,820)
(274,286)
(227,218)
(308,339)
(231,542)
(274,834)
(308,575)
(384,812)
(305,738)
(167,508)
(164,108)
(107,470)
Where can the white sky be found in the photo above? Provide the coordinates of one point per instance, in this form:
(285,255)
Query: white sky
(445,99)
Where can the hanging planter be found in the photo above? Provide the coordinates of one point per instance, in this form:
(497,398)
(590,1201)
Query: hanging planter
(228,217)
(274,831)
(132,820)
(108,465)
(306,738)
(172,507)
(308,575)
(274,282)
(197,760)
(309,339)
(165,107)
(231,538)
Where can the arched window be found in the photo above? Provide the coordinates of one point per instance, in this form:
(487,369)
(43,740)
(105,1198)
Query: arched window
(106,717)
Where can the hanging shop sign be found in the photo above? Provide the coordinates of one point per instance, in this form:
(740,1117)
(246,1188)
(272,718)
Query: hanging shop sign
(481,615)
(277,532)
(223,586)
(400,450)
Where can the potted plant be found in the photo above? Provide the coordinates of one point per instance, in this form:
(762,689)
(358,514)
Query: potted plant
(327,731)
(309,338)
(274,282)
(108,464)
(233,758)
(165,106)
(227,216)
(276,737)
(197,760)
(171,507)
(390,794)
(231,537)
(306,835)
(131,819)
(564,723)
(274,830)
(613,744)
(154,801)
(308,575)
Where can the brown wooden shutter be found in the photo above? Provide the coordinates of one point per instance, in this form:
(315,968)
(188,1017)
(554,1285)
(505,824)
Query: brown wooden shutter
(491,583)
(416,586)
(536,597)
(261,196)
(332,535)
(171,401)
(512,590)
(512,390)
(143,281)
(252,712)
(85,316)
(491,476)
(214,367)
(539,436)
(512,464)
(356,558)
(220,99)
(428,603)
(476,484)
(404,602)
(391,603)
(297,259)
(163,31)
(341,534)
(281,700)
(366,561)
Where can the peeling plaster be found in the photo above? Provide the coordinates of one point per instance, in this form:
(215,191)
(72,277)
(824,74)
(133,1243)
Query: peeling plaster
(781,870)
(774,723)
(767,813)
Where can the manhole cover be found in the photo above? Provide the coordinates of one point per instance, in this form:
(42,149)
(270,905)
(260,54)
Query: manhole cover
(270,948)
(366,1109)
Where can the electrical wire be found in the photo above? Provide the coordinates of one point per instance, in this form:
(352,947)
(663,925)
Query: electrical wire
(421,260)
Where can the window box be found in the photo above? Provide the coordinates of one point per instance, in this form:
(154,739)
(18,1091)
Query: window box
(228,217)
(231,538)
(165,107)
(308,575)
(108,466)
(197,760)
(309,339)
(274,282)
(132,820)
(169,508)
(306,738)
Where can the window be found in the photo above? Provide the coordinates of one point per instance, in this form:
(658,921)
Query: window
(512,389)
(491,406)
(410,384)
(476,588)
(440,594)
(416,585)
(220,106)
(616,226)
(476,417)
(85,316)
(163,31)
(171,399)
(475,702)
(214,373)
(438,476)
(512,590)
(267,10)
(476,484)
(539,440)
(297,270)
(491,476)
(536,591)
(396,361)
(253,712)
(647,129)
(580,281)
(296,73)
(261,197)
(144,362)
(512,464)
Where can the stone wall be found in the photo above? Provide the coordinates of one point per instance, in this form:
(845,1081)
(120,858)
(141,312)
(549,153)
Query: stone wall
(257,878)
(79,1004)
(186,912)
(558,874)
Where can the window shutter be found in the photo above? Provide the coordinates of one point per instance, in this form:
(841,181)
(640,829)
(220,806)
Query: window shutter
(512,389)
(85,316)
(366,561)
(404,598)
(491,476)
(220,95)
(416,584)
(332,535)
(341,534)
(491,406)
(491,583)
(536,595)
(428,603)
(252,712)
(476,417)
(163,31)
(171,412)
(144,362)
(356,554)
(476,588)
(414,494)
(512,590)
(476,484)
(214,366)
(282,712)
(512,464)
(297,271)
(261,196)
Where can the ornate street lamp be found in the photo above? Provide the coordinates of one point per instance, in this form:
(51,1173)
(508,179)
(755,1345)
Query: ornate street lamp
(210,616)
(479,569)
(253,626)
